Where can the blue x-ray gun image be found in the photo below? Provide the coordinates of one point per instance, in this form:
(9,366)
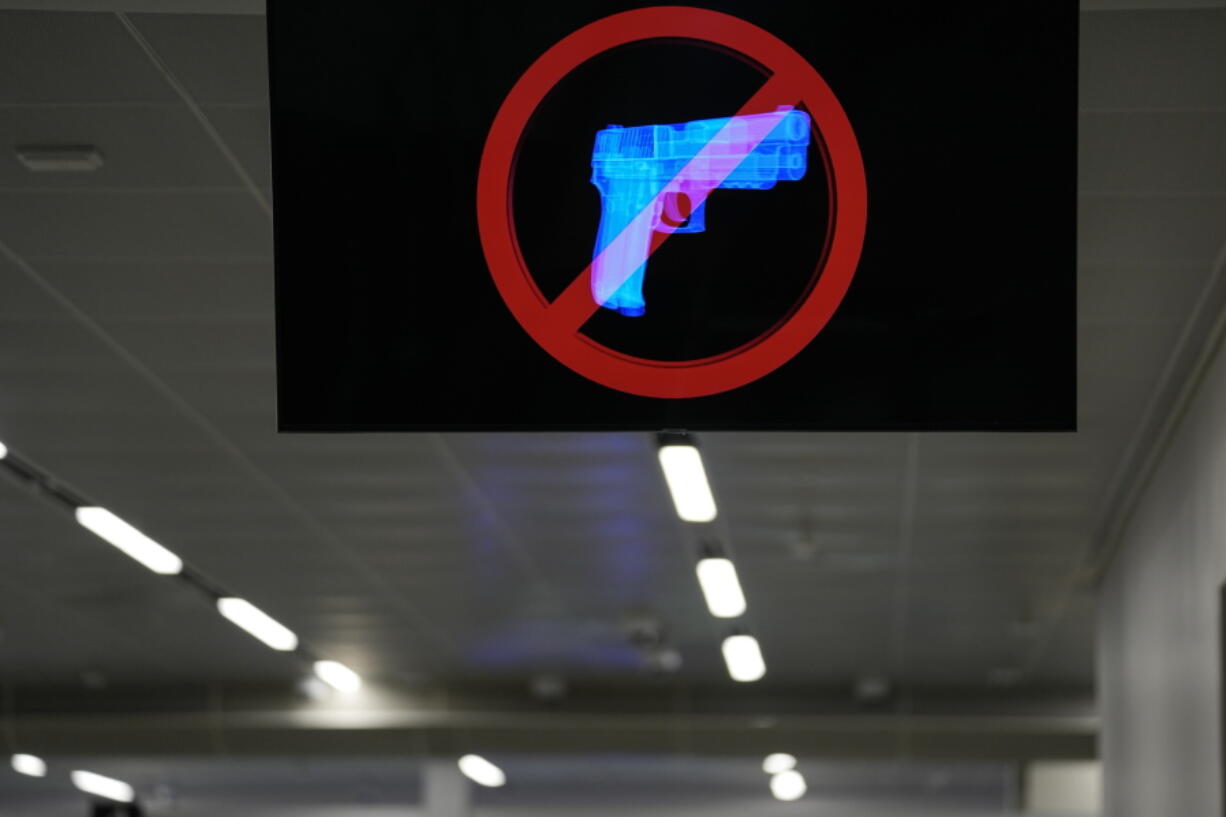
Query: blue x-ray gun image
(656,178)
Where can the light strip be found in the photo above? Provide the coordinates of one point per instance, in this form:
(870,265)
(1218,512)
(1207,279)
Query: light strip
(4,451)
(29,765)
(107,787)
(258,623)
(687,482)
(721,587)
(744,658)
(338,676)
(788,786)
(481,771)
(778,762)
(119,533)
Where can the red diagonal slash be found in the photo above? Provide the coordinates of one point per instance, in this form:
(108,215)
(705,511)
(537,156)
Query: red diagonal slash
(575,305)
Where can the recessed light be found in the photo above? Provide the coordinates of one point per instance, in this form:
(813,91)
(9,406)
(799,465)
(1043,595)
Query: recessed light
(788,786)
(481,771)
(102,786)
(687,480)
(778,762)
(60,158)
(744,658)
(29,765)
(259,624)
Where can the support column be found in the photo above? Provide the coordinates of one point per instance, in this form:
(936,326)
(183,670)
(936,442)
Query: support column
(445,792)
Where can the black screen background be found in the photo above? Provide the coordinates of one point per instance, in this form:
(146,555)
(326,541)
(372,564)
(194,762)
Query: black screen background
(961,315)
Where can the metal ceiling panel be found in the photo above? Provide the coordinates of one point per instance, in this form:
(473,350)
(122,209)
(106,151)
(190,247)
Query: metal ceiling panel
(1153,60)
(1157,230)
(221,59)
(1153,152)
(49,58)
(139,224)
(245,131)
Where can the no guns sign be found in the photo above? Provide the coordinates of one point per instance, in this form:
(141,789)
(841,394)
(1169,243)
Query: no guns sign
(734,215)
(556,325)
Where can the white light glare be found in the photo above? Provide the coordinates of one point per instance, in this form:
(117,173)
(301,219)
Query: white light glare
(100,786)
(258,623)
(481,771)
(778,762)
(140,547)
(338,676)
(744,658)
(30,765)
(4,451)
(721,587)
(687,482)
(788,786)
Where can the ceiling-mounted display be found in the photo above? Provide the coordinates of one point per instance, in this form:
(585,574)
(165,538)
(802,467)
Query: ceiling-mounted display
(742,216)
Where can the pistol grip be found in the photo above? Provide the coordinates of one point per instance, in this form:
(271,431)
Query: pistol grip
(619,260)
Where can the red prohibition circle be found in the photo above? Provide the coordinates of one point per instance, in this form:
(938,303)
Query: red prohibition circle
(556,325)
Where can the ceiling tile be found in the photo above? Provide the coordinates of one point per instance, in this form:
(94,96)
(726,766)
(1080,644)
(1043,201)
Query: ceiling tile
(1139,60)
(1168,152)
(1161,231)
(53,57)
(245,131)
(222,59)
(134,225)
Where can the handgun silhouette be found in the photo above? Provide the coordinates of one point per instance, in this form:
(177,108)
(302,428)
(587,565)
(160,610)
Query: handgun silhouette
(671,169)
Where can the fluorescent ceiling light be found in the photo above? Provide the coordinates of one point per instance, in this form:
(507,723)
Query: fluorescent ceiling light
(778,762)
(744,658)
(687,482)
(140,547)
(258,623)
(100,786)
(789,785)
(338,676)
(30,765)
(720,587)
(481,771)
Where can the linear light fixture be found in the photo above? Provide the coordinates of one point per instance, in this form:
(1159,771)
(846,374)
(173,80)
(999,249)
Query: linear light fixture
(720,587)
(778,762)
(481,771)
(30,765)
(788,786)
(338,676)
(100,786)
(744,658)
(4,451)
(59,158)
(686,478)
(258,623)
(119,533)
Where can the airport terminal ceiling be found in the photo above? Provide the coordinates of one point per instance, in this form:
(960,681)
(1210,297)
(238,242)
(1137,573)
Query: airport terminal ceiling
(137,366)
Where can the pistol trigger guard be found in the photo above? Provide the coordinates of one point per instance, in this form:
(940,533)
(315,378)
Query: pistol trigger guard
(676,212)
(698,219)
